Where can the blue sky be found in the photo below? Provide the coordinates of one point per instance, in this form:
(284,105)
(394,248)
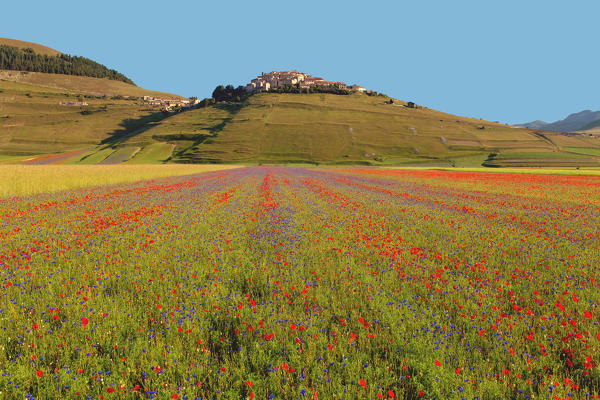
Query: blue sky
(511,61)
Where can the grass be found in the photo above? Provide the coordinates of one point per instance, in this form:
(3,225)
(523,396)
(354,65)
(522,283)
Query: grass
(534,155)
(330,129)
(475,160)
(540,159)
(23,180)
(267,129)
(80,84)
(583,150)
(153,154)
(121,155)
(267,282)
(4,158)
(94,157)
(533,171)
(33,122)
(574,140)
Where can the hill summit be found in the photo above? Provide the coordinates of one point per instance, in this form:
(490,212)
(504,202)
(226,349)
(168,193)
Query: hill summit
(38,48)
(280,79)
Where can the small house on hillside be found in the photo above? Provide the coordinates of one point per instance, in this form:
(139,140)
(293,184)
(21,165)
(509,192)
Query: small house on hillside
(410,104)
(73,103)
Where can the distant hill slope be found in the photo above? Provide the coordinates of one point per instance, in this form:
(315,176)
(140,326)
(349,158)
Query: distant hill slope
(28,59)
(574,122)
(583,120)
(38,48)
(34,118)
(355,129)
(532,125)
(80,84)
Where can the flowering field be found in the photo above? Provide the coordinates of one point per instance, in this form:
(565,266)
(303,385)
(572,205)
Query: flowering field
(289,283)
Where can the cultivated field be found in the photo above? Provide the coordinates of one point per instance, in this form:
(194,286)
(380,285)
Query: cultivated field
(23,180)
(289,283)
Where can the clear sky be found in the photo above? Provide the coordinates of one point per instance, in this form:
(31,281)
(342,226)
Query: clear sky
(510,60)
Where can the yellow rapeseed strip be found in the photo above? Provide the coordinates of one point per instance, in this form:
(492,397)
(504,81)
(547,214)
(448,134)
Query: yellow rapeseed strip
(23,180)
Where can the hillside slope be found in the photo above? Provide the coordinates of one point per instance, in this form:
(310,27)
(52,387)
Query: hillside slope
(80,84)
(49,113)
(38,48)
(356,129)
(33,121)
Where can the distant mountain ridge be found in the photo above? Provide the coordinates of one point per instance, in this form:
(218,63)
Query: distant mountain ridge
(537,124)
(580,121)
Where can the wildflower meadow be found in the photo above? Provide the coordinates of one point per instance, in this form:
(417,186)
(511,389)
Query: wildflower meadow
(298,283)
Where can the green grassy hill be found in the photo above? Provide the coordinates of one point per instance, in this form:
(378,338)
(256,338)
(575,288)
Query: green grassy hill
(32,121)
(356,129)
(269,128)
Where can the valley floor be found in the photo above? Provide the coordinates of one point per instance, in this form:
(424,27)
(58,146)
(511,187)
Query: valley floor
(271,282)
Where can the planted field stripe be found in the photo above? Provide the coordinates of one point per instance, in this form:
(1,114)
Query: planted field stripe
(120,155)
(22,180)
(153,154)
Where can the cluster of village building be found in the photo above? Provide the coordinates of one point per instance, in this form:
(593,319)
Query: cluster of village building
(159,102)
(73,103)
(169,104)
(276,79)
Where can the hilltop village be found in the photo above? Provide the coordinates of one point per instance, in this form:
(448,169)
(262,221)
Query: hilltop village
(279,79)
